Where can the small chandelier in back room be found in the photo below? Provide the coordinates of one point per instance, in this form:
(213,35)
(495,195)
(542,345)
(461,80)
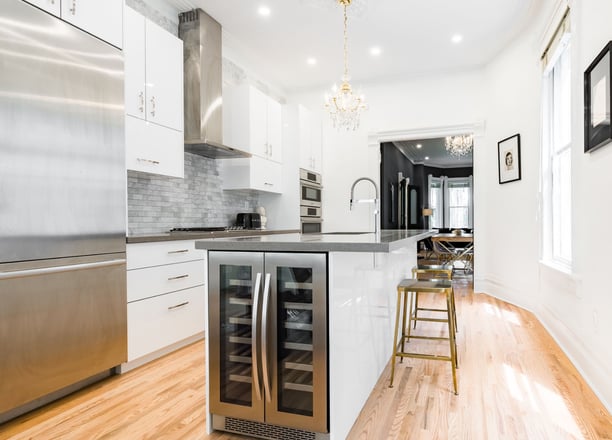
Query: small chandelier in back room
(343,106)
(459,145)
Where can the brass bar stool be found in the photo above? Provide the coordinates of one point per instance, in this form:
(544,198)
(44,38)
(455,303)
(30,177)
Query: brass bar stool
(429,272)
(414,286)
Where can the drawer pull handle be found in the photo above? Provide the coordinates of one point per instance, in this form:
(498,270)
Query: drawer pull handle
(142,159)
(183,304)
(180,251)
(178,277)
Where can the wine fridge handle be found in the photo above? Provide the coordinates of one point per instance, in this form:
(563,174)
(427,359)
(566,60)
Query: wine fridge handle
(255,337)
(264,338)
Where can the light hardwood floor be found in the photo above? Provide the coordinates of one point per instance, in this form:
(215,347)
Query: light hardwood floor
(514,383)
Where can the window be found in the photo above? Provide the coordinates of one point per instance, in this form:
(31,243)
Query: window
(450,198)
(556,153)
(435,202)
(459,202)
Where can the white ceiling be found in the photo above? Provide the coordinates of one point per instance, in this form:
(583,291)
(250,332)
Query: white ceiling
(414,36)
(432,153)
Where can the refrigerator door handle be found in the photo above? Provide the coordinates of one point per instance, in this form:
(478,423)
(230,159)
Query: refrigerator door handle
(264,338)
(255,333)
(56,269)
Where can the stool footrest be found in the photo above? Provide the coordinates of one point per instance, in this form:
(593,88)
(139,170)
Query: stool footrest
(433,338)
(416,318)
(425,356)
(431,310)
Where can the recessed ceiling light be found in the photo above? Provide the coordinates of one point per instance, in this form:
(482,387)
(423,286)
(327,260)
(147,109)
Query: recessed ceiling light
(426,157)
(419,146)
(375,51)
(264,11)
(457,38)
(311,61)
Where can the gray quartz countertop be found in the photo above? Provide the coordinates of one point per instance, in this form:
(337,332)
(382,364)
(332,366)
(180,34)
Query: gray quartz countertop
(181,235)
(387,241)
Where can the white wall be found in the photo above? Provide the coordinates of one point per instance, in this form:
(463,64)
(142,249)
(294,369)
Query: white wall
(433,101)
(506,95)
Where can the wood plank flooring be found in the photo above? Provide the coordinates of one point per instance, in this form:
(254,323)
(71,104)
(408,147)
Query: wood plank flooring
(514,383)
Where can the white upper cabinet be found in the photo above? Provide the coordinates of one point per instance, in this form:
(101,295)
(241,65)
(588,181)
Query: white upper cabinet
(304,131)
(153,72)
(164,77)
(254,173)
(103,19)
(153,97)
(252,122)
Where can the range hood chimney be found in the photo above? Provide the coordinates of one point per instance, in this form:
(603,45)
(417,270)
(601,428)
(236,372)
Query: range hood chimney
(201,35)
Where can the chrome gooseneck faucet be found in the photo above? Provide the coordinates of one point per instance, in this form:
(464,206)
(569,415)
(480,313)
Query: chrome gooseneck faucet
(374,200)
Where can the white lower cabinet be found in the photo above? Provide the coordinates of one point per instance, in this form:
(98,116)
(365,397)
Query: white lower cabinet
(158,322)
(165,298)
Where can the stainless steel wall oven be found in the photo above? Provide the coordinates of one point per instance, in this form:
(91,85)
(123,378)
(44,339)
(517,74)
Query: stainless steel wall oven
(311,192)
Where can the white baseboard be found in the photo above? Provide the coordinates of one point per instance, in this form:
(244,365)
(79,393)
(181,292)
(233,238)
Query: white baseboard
(590,368)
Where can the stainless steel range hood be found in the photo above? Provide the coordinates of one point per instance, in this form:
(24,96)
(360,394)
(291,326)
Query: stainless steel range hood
(201,35)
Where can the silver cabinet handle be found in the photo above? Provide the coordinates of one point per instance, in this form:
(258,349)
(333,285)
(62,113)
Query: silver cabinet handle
(73,9)
(180,251)
(152,105)
(264,338)
(255,332)
(183,304)
(56,269)
(179,277)
(141,101)
(142,159)
(270,154)
(268,184)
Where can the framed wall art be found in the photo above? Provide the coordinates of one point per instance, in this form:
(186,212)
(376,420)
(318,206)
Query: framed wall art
(597,96)
(509,159)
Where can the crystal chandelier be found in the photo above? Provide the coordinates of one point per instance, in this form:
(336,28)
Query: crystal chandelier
(459,145)
(343,106)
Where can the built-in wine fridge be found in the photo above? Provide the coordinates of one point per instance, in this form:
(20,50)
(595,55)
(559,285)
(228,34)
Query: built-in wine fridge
(268,344)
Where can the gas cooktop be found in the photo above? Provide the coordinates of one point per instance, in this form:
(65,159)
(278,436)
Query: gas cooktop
(207,229)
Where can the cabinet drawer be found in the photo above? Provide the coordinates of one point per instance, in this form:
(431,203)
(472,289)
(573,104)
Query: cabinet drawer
(141,255)
(152,281)
(155,323)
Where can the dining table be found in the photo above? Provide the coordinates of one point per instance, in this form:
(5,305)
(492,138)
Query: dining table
(445,249)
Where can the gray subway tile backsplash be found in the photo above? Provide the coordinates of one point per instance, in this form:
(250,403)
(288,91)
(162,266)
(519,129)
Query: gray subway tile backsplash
(159,203)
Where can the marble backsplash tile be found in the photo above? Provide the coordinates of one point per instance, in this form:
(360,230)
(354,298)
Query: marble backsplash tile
(159,203)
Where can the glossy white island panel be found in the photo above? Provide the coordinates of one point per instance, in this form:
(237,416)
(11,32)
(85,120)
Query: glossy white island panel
(362,300)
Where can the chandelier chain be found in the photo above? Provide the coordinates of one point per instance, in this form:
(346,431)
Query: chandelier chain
(345,43)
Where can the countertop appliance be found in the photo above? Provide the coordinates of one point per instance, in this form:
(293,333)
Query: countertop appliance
(248,220)
(63,315)
(201,35)
(268,344)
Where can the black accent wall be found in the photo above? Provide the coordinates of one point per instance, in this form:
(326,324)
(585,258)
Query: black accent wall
(392,162)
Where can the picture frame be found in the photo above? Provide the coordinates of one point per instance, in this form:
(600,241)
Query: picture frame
(509,159)
(597,97)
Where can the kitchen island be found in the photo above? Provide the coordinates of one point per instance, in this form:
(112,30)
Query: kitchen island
(315,314)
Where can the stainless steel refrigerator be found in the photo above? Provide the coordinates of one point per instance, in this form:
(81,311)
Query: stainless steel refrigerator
(268,344)
(62,207)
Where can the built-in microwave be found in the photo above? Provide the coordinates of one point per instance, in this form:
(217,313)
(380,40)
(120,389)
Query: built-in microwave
(310,177)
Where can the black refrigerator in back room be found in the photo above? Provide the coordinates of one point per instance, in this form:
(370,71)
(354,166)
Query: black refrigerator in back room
(63,315)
